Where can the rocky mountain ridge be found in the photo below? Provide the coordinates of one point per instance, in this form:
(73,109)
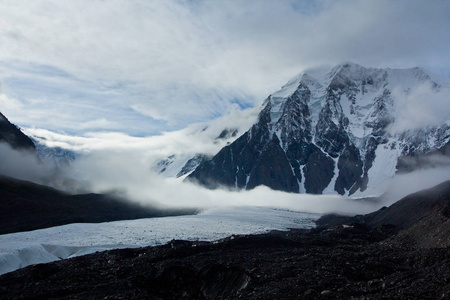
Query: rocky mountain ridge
(181,165)
(12,135)
(330,131)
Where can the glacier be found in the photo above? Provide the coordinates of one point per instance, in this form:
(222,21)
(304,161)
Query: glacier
(18,250)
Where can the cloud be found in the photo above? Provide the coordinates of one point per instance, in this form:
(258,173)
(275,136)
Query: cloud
(19,164)
(404,184)
(127,172)
(424,105)
(99,123)
(26,165)
(116,162)
(160,65)
(196,138)
(125,164)
(129,175)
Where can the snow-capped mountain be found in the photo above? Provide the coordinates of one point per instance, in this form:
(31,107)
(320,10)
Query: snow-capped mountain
(200,142)
(346,130)
(54,156)
(177,165)
(181,165)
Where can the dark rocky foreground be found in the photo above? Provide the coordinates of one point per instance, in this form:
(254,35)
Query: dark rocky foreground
(345,261)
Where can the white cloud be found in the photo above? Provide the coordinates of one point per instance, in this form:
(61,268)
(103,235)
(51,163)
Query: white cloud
(99,123)
(122,163)
(130,175)
(422,106)
(196,138)
(181,62)
(19,164)
(9,104)
(118,162)
(405,184)
(26,165)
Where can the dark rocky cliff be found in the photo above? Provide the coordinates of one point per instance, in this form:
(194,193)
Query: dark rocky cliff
(12,135)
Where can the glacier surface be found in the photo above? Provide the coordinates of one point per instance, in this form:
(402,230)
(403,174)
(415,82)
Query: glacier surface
(18,250)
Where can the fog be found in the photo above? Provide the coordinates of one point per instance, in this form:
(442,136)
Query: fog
(404,184)
(131,176)
(21,164)
(118,163)
(26,165)
(196,138)
(424,105)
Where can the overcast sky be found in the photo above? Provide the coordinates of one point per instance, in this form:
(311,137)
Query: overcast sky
(143,67)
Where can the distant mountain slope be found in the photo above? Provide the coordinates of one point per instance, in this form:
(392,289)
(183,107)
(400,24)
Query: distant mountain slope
(412,208)
(403,213)
(54,156)
(332,131)
(12,135)
(26,206)
(201,141)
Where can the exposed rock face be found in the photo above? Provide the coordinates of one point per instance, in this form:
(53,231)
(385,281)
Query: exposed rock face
(214,136)
(191,164)
(12,135)
(328,132)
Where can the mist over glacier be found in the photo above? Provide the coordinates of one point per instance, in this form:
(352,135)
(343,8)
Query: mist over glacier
(135,180)
(127,169)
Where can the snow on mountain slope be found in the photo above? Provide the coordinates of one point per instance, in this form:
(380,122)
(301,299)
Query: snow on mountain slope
(18,250)
(337,131)
(212,135)
(54,156)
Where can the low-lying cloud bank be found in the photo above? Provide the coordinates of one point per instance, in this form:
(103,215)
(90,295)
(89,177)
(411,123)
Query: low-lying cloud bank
(125,165)
(136,181)
(196,138)
(21,164)
(424,105)
(131,176)
(26,165)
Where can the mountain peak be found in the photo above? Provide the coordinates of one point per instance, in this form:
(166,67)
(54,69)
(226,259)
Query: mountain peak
(348,65)
(326,131)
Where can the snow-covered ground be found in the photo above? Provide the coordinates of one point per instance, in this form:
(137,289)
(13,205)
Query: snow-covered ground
(18,250)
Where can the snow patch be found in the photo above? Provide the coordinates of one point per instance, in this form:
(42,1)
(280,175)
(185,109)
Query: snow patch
(330,188)
(276,110)
(382,171)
